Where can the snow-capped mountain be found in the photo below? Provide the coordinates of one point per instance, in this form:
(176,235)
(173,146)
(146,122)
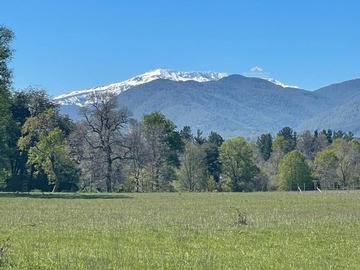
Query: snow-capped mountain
(79,97)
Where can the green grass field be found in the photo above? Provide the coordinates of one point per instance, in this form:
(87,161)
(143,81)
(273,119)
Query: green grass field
(180,231)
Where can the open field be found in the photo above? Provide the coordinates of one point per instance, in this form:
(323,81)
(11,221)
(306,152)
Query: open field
(181,231)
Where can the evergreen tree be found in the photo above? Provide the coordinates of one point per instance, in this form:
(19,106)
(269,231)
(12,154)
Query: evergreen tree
(264,144)
(290,137)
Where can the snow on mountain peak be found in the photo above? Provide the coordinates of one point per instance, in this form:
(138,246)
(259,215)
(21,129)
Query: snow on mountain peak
(78,97)
(280,83)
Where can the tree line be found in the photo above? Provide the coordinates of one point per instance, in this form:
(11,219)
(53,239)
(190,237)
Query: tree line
(110,151)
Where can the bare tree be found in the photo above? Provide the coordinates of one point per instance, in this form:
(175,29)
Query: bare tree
(106,121)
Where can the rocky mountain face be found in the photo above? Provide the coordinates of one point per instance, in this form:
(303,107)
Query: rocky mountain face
(233,105)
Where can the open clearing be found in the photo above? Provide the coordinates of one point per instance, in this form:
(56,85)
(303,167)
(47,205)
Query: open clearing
(270,230)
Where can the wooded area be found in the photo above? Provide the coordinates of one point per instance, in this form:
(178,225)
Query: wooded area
(109,151)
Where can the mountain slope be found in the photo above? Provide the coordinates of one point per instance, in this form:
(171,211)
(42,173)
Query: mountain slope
(340,93)
(233,105)
(79,97)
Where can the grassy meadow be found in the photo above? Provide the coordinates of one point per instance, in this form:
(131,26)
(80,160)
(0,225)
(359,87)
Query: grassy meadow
(271,230)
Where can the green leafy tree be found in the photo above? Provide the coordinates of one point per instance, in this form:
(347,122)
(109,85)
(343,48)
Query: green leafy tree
(293,171)
(215,138)
(192,173)
(165,145)
(52,155)
(6,36)
(236,159)
(34,130)
(28,103)
(326,166)
(348,154)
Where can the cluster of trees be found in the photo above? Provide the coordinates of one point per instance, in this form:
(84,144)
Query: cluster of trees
(327,159)
(110,151)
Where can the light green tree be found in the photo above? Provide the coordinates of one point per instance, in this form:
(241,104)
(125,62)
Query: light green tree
(236,159)
(293,172)
(52,155)
(34,130)
(326,165)
(348,154)
(192,173)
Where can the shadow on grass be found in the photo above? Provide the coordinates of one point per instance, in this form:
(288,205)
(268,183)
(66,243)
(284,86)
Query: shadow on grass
(88,196)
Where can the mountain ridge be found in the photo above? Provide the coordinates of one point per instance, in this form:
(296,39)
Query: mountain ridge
(237,105)
(78,97)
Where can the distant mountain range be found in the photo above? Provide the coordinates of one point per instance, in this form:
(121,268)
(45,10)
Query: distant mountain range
(231,105)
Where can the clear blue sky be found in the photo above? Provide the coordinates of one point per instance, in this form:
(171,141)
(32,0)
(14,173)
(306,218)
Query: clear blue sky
(66,45)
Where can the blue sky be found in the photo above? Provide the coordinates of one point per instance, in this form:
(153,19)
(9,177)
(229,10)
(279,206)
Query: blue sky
(70,45)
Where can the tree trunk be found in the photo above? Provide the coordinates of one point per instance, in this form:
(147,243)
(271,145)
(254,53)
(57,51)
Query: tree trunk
(108,174)
(56,186)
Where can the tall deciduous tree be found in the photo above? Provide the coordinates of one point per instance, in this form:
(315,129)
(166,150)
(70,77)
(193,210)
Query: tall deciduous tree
(348,154)
(193,169)
(106,122)
(326,165)
(6,36)
(236,159)
(139,154)
(310,144)
(165,145)
(293,171)
(28,103)
(35,129)
(52,154)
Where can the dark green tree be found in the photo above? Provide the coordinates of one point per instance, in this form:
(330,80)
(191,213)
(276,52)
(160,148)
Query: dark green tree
(186,134)
(199,138)
(215,138)
(264,145)
(290,136)
(27,103)
(6,36)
